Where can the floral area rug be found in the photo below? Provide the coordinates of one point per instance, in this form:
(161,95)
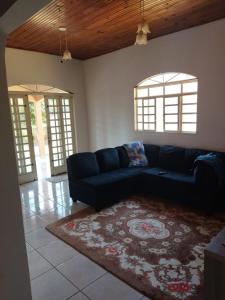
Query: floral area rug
(155,247)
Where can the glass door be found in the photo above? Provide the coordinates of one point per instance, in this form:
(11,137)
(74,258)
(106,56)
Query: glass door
(24,145)
(59,115)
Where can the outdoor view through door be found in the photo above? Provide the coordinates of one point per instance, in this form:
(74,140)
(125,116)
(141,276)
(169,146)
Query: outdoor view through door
(43,127)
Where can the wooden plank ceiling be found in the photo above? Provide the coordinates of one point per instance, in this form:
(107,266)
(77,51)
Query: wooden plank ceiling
(96,27)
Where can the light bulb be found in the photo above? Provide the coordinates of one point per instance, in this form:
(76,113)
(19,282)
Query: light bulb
(66,55)
(141,38)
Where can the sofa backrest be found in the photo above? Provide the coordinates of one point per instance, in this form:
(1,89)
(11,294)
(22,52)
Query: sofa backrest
(81,165)
(123,156)
(175,158)
(152,154)
(108,159)
(172,158)
(88,164)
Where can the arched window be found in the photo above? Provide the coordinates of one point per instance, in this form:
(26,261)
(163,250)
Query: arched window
(167,103)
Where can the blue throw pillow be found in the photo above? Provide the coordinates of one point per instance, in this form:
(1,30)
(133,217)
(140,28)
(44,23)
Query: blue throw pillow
(136,154)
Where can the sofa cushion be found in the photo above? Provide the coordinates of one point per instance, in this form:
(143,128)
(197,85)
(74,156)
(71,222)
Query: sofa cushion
(152,154)
(123,156)
(82,165)
(136,154)
(170,175)
(112,177)
(108,159)
(172,158)
(106,188)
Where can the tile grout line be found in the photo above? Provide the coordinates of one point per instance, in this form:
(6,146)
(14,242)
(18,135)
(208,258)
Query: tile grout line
(94,280)
(53,267)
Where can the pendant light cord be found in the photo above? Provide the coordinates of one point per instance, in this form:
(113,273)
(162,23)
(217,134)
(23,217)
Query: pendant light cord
(142,10)
(66,40)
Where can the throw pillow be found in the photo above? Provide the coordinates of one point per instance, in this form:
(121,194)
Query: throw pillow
(136,154)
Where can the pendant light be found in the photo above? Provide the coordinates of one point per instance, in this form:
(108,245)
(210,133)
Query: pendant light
(66,54)
(143,28)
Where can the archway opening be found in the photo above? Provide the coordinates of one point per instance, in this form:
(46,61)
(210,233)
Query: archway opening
(43,130)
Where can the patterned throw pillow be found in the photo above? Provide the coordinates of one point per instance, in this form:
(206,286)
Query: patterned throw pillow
(136,154)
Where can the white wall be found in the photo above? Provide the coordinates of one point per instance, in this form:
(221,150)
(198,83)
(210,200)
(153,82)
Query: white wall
(14,273)
(110,80)
(24,67)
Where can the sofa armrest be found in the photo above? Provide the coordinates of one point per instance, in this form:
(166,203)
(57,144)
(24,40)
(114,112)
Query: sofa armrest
(209,170)
(205,176)
(82,165)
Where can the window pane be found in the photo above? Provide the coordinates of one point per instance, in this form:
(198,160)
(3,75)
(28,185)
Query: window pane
(151,110)
(173,89)
(189,118)
(20,101)
(146,102)
(146,111)
(171,109)
(21,109)
(190,99)
(27,154)
(192,108)
(139,102)
(181,77)
(158,78)
(156,91)
(171,127)
(140,126)
(146,127)
(142,93)
(189,127)
(139,110)
(171,100)
(151,126)
(190,87)
(170,76)
(151,102)
(146,119)
(24,132)
(159,115)
(152,119)
(56,163)
(148,82)
(171,118)
(28,169)
(26,147)
(140,118)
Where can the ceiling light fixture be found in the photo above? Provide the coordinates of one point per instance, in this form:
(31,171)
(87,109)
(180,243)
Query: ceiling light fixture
(66,54)
(143,27)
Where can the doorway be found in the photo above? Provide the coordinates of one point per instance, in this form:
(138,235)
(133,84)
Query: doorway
(44,132)
(39,134)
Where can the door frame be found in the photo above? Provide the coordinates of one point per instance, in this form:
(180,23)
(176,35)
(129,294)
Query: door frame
(27,177)
(59,97)
(73,121)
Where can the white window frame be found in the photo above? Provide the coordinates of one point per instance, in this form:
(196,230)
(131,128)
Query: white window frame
(163,95)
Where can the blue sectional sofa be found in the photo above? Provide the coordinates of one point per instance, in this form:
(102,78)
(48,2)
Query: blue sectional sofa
(101,178)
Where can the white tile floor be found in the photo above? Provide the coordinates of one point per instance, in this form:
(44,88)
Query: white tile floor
(57,271)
